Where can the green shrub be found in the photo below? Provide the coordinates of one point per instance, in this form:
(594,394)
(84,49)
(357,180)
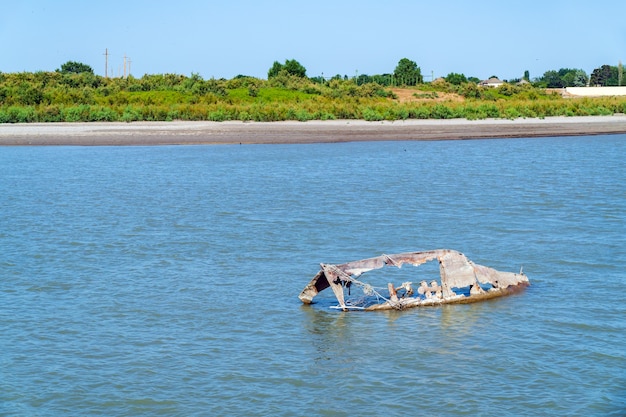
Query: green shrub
(76,113)
(420,112)
(253,90)
(511,113)
(21,114)
(470,90)
(527,112)
(371,115)
(471,112)
(396,113)
(489,93)
(102,114)
(441,111)
(244,116)
(489,110)
(218,116)
(155,112)
(51,113)
(322,115)
(173,114)
(303,115)
(131,114)
(134,88)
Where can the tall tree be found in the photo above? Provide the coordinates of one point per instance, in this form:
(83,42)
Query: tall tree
(456,79)
(275,69)
(291,67)
(73,67)
(552,79)
(573,77)
(580,78)
(565,77)
(408,73)
(605,75)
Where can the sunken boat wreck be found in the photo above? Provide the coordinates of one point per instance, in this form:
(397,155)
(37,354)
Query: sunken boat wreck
(460,281)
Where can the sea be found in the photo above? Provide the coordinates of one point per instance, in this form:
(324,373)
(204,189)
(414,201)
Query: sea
(164,280)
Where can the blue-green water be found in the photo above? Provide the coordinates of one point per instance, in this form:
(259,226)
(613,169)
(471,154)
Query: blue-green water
(164,280)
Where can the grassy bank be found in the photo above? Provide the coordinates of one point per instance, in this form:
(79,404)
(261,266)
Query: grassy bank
(56,97)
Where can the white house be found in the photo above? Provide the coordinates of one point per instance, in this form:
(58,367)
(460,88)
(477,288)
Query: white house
(491,82)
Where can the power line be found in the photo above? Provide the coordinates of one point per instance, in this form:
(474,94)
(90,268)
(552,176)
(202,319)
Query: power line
(106,62)
(125,67)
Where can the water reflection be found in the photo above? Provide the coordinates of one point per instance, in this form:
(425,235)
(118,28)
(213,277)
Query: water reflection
(328,331)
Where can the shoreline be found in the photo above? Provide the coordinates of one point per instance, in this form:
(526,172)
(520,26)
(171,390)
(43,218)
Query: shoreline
(294,132)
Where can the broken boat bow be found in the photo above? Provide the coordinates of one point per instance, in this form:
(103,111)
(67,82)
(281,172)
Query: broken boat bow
(461,281)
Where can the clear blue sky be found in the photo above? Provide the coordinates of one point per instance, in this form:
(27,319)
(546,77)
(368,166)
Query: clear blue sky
(231,37)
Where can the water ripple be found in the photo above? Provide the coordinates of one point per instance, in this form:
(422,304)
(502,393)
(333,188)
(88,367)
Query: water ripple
(164,281)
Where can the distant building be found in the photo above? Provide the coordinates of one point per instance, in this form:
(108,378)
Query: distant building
(491,82)
(596,91)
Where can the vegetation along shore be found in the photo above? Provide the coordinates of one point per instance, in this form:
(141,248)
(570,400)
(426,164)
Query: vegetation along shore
(74,93)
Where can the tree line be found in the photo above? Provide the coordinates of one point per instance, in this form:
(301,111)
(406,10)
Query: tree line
(408,73)
(74,93)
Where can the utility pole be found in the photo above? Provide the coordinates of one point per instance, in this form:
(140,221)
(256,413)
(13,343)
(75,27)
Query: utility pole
(129,61)
(106,63)
(124,65)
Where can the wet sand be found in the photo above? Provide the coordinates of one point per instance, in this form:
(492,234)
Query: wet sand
(212,133)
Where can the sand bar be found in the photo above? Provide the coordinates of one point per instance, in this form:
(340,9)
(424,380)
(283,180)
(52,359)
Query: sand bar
(212,133)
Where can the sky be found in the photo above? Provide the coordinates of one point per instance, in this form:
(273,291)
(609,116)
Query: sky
(223,39)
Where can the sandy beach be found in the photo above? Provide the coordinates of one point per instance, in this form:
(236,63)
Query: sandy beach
(213,133)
